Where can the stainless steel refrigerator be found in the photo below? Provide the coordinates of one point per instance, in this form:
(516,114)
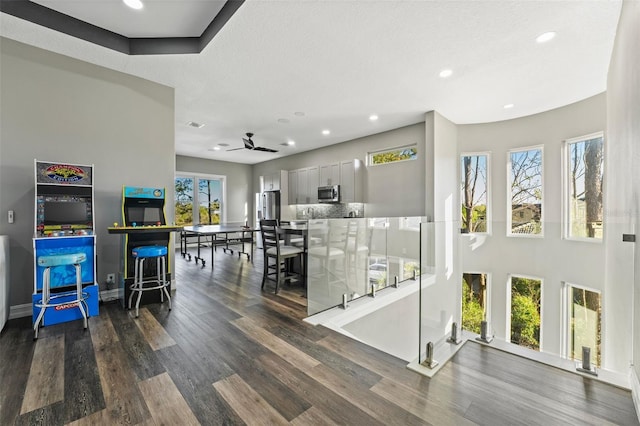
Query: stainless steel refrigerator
(271,205)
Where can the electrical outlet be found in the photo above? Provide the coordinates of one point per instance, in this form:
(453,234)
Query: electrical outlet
(111,278)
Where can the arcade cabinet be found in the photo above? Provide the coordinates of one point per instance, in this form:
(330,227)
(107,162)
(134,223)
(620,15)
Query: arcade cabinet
(64,244)
(144,224)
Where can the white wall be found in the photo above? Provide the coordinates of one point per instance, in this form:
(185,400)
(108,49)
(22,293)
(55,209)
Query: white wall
(238,180)
(623,192)
(391,190)
(551,258)
(55,108)
(440,301)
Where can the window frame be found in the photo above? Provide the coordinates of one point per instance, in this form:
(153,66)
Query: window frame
(487,308)
(196,201)
(565,335)
(385,150)
(487,154)
(566,209)
(509,194)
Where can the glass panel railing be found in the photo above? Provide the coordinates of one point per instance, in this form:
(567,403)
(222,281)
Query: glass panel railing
(351,258)
(439,304)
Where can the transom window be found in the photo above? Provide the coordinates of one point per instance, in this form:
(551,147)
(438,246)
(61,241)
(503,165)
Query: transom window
(403,153)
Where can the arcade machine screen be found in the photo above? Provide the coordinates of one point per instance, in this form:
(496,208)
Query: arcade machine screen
(67,213)
(144,216)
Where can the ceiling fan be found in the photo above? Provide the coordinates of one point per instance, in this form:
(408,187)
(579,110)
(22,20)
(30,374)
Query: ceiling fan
(248,144)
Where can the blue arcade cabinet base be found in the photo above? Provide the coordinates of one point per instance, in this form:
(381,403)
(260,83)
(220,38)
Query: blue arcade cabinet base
(67,312)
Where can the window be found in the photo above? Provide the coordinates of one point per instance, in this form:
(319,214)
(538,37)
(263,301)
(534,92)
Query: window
(526,297)
(474,188)
(583,195)
(474,301)
(583,321)
(208,197)
(525,192)
(404,153)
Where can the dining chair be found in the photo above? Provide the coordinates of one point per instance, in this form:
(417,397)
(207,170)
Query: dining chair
(276,253)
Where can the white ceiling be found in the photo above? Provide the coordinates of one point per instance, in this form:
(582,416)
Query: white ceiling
(338,62)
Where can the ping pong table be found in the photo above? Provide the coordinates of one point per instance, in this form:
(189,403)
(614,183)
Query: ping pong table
(216,235)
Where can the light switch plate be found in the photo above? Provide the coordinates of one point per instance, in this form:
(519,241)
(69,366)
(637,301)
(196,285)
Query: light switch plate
(10,216)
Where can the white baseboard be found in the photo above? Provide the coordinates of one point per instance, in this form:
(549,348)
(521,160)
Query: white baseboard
(635,390)
(109,295)
(20,311)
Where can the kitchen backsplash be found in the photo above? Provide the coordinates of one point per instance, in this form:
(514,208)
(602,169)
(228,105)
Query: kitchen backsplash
(326,211)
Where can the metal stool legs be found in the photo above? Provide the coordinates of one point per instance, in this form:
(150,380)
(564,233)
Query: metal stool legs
(46,301)
(139,282)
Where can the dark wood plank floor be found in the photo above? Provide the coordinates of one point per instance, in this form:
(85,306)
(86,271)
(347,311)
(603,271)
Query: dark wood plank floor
(229,353)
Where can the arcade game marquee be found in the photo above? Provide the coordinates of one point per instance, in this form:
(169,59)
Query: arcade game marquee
(144,224)
(64,225)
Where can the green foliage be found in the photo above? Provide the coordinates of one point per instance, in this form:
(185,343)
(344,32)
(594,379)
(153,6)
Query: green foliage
(525,312)
(183,214)
(478,219)
(472,311)
(409,267)
(392,156)
(211,215)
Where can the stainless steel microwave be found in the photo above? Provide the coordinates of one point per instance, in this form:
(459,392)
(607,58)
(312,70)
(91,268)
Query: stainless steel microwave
(329,194)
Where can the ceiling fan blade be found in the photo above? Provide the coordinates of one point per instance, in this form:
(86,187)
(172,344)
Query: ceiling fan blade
(248,143)
(260,148)
(235,149)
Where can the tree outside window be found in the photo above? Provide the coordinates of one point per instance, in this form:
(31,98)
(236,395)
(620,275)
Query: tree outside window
(207,198)
(393,155)
(525,311)
(474,193)
(526,192)
(474,301)
(184,201)
(585,174)
(585,323)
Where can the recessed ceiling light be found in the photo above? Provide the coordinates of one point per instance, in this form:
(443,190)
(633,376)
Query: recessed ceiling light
(133,4)
(446,73)
(373,117)
(291,143)
(326,132)
(194,124)
(508,106)
(283,120)
(215,148)
(299,113)
(545,37)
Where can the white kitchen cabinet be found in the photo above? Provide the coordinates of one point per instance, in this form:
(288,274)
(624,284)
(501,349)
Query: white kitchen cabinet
(351,181)
(293,187)
(330,174)
(303,182)
(313,181)
(274,181)
(303,185)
